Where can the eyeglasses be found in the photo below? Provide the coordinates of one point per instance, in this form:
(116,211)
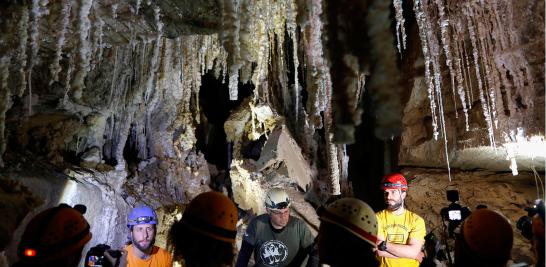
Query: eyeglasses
(143,219)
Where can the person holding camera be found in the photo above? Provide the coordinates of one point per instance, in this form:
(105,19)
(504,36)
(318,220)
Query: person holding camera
(54,237)
(401,233)
(205,236)
(142,224)
(276,238)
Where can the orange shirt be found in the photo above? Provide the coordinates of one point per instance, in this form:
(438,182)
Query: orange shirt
(159,258)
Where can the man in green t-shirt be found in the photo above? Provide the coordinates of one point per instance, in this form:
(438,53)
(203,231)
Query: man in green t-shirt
(276,238)
(401,233)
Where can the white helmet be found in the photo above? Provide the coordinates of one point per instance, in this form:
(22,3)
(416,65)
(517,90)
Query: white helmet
(277,199)
(354,215)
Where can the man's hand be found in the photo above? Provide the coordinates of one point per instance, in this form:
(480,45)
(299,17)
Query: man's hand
(116,262)
(420,257)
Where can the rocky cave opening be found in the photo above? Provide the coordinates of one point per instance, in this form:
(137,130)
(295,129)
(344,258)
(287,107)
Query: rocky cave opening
(112,104)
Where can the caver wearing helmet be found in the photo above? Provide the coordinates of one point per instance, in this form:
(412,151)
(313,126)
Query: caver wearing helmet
(276,238)
(347,234)
(485,240)
(54,237)
(401,233)
(142,224)
(205,235)
(394,181)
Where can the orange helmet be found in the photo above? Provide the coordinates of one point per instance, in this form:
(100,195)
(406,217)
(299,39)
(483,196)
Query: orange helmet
(488,234)
(53,234)
(212,214)
(394,181)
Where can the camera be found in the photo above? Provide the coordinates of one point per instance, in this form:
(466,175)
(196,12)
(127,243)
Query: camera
(525,223)
(454,213)
(95,256)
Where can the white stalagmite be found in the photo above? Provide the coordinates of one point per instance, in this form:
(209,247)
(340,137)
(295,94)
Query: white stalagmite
(5,97)
(55,67)
(22,55)
(400,29)
(83,66)
(485,107)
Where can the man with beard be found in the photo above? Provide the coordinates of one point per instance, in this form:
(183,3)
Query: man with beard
(142,222)
(401,233)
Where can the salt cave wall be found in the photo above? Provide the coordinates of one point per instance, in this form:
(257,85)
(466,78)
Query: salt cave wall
(100,101)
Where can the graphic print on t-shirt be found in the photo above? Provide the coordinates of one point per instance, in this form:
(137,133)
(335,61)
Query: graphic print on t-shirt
(273,252)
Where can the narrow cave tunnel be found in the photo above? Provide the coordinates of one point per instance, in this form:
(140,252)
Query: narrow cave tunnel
(361,111)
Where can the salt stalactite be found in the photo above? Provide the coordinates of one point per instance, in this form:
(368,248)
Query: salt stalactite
(39,8)
(55,67)
(83,66)
(291,27)
(101,39)
(154,65)
(230,38)
(446,43)
(459,70)
(422,24)
(469,78)
(489,83)
(93,37)
(68,79)
(400,29)
(331,148)
(5,104)
(97,42)
(114,76)
(247,35)
(318,73)
(22,50)
(137,7)
(114,8)
(465,73)
(434,50)
(485,107)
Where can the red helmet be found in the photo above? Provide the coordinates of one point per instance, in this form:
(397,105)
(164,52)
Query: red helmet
(394,181)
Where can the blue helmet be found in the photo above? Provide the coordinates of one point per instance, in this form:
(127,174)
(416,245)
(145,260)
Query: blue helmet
(141,215)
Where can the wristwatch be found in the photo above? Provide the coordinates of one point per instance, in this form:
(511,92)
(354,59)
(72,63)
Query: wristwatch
(382,246)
